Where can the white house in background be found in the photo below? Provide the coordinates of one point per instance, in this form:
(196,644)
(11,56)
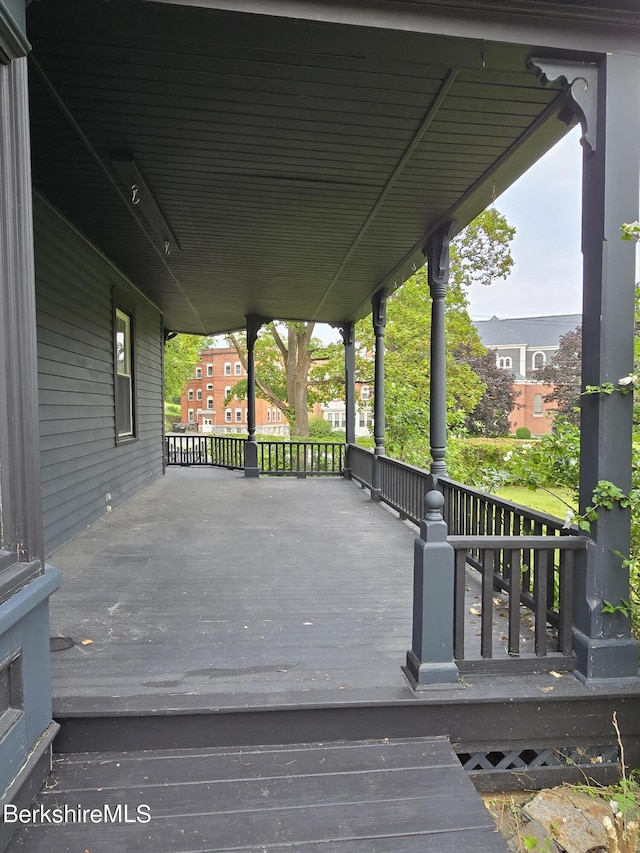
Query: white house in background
(335,412)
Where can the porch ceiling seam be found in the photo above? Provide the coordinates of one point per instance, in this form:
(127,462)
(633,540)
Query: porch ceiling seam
(418,136)
(96,157)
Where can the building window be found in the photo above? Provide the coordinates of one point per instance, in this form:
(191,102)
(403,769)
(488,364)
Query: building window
(209,402)
(227,416)
(537,406)
(268,416)
(199,394)
(365,392)
(190,417)
(278,415)
(227,392)
(238,416)
(124,375)
(209,386)
(198,372)
(238,368)
(505,362)
(539,360)
(209,370)
(227,368)
(190,394)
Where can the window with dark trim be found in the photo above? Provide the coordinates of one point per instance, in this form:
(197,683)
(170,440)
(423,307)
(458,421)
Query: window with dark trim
(125,414)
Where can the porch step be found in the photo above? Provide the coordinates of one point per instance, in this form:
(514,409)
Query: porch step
(385,796)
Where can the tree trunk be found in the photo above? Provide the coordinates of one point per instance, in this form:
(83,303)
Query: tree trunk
(298,364)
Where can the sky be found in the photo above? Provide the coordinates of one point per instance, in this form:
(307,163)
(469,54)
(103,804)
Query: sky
(544,206)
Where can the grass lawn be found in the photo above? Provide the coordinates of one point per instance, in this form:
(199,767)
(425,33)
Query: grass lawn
(553,502)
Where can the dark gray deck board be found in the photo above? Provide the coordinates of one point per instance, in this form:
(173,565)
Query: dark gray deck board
(210,585)
(369,795)
(207,582)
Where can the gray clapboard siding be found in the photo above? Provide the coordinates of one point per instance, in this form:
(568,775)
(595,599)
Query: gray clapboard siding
(80,459)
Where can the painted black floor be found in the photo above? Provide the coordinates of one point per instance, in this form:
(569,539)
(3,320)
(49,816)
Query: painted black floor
(386,796)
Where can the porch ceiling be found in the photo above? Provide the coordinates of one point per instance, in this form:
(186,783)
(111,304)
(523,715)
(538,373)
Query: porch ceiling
(300,165)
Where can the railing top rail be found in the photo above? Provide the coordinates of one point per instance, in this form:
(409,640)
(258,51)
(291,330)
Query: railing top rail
(532,514)
(388,460)
(535,543)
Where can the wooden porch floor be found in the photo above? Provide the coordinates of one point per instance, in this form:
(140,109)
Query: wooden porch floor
(236,604)
(209,583)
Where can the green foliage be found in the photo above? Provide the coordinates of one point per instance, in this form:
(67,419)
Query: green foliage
(479,254)
(180,356)
(564,374)
(630,231)
(284,353)
(523,433)
(319,428)
(469,459)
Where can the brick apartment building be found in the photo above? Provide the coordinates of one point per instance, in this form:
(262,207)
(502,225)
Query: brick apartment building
(524,345)
(207,403)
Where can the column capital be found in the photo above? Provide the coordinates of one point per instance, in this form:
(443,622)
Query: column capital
(379,315)
(438,246)
(347,329)
(254,324)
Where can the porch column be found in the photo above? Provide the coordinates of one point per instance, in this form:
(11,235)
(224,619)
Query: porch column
(347,330)
(251,468)
(603,642)
(27,731)
(438,272)
(379,316)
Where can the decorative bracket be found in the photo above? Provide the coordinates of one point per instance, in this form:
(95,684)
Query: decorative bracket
(379,316)
(582,80)
(347,331)
(437,251)
(254,324)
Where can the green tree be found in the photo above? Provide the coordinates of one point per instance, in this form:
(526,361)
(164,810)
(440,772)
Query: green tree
(480,254)
(181,353)
(490,417)
(564,374)
(284,355)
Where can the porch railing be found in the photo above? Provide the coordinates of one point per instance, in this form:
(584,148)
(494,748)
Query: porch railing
(293,458)
(360,463)
(533,619)
(188,450)
(524,561)
(301,458)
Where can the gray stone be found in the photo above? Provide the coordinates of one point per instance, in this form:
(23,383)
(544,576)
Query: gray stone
(573,819)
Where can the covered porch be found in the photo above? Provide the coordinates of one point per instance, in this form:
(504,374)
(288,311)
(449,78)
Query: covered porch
(208,166)
(225,611)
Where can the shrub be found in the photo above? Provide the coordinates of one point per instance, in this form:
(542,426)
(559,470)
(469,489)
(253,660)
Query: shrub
(319,428)
(523,433)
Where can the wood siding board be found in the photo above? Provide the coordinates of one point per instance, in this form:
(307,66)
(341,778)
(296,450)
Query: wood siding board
(80,460)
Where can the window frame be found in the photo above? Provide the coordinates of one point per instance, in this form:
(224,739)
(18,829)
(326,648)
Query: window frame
(121,311)
(538,399)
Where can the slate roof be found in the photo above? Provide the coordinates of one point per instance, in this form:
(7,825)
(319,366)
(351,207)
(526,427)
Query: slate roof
(527,331)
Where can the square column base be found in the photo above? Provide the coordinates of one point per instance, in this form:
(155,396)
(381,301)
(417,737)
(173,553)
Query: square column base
(251,459)
(422,676)
(605,660)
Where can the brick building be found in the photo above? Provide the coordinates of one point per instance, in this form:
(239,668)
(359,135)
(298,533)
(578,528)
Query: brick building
(524,345)
(207,403)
